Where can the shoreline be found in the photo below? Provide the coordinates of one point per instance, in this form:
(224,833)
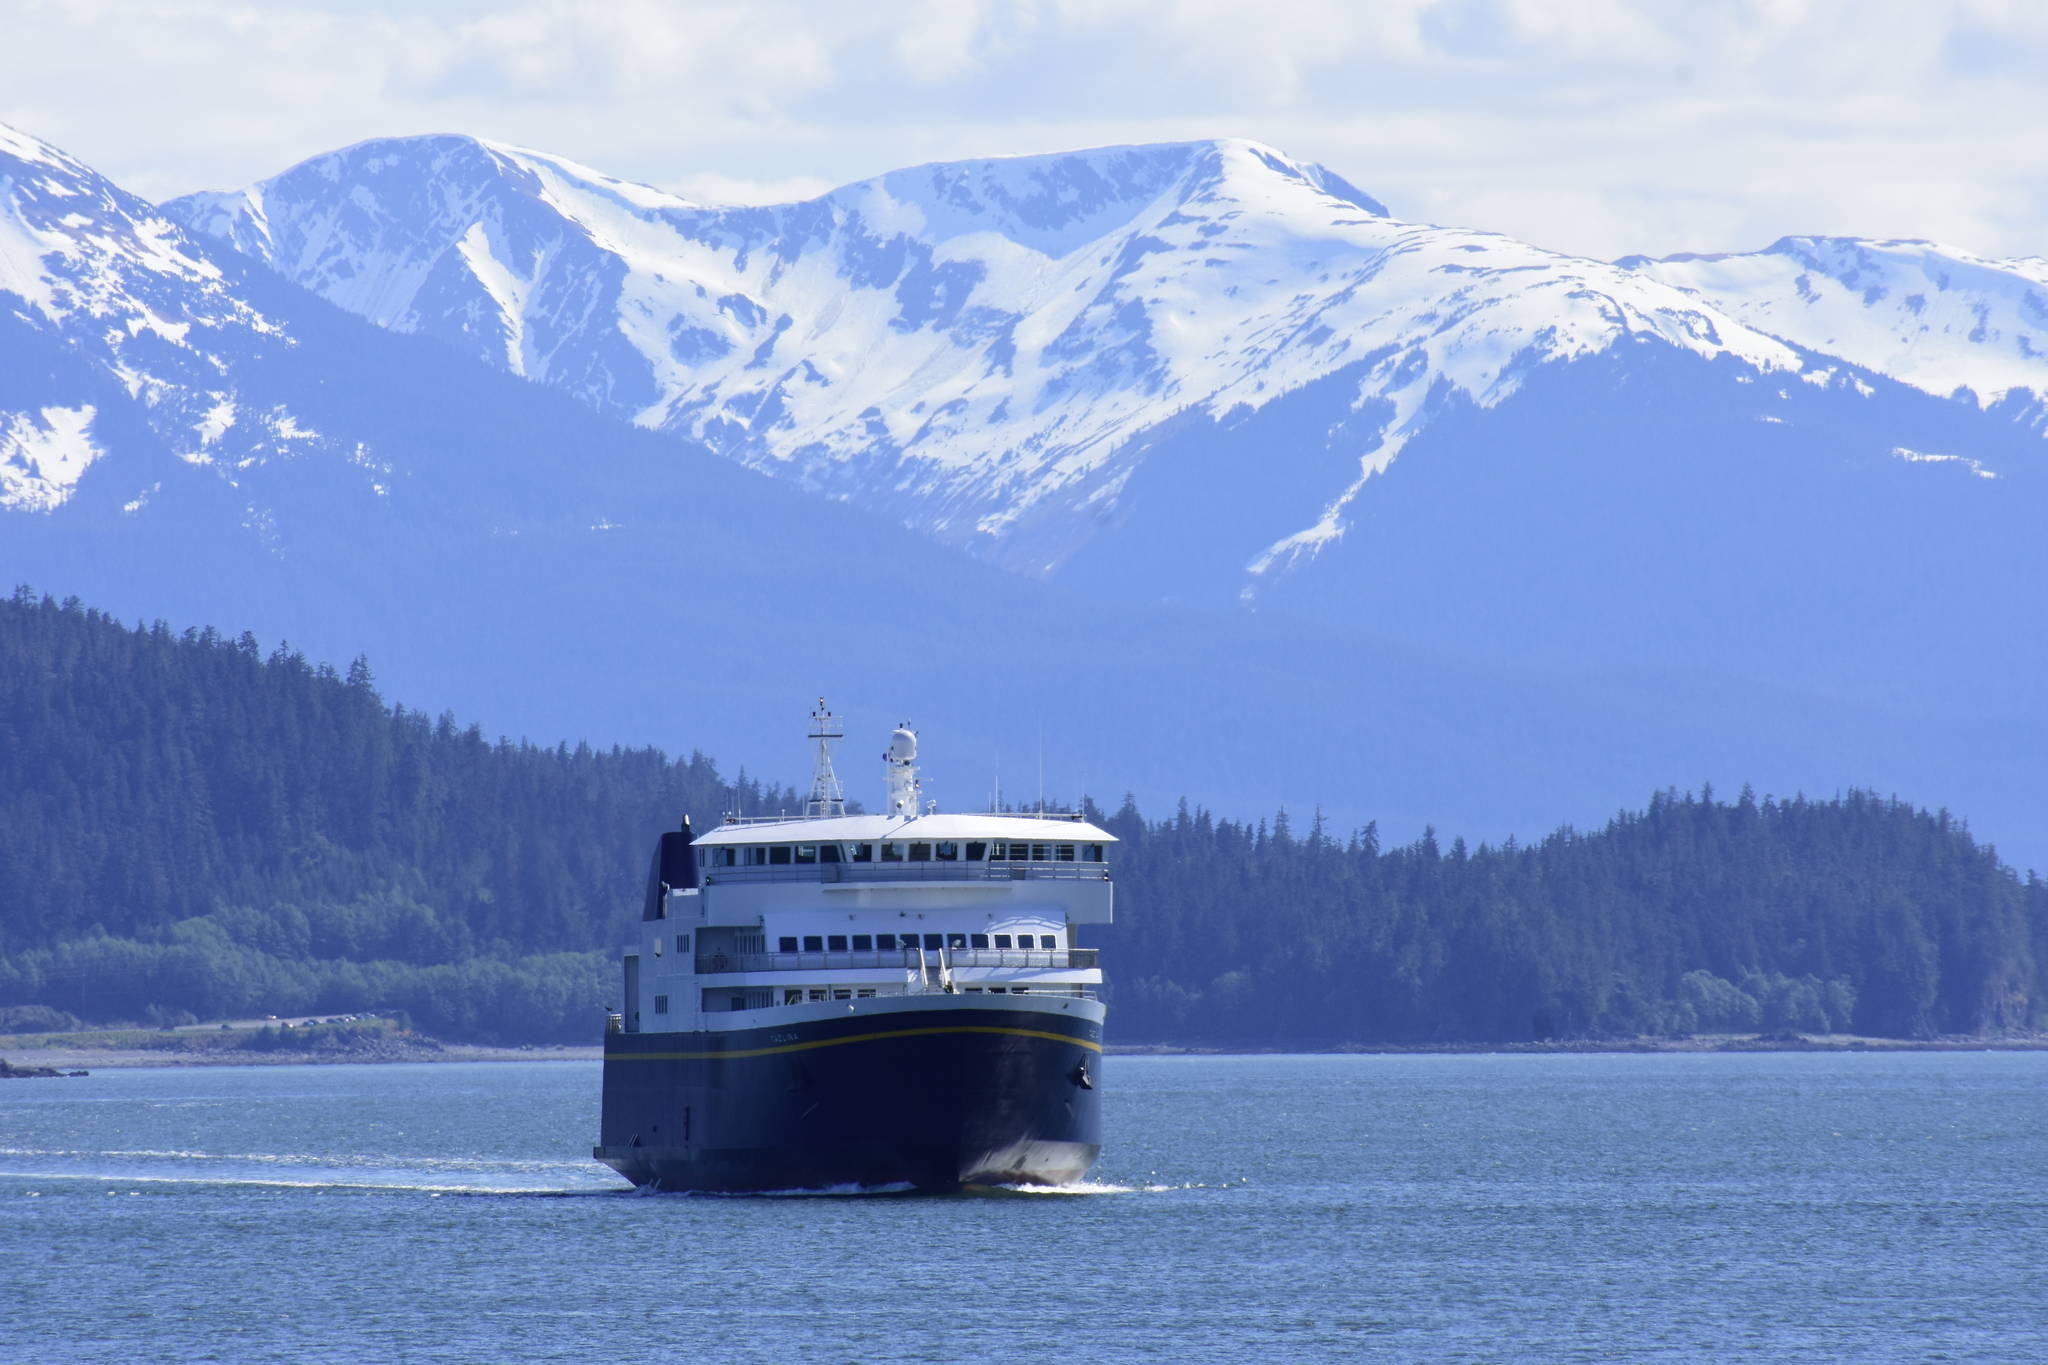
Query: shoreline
(65,1059)
(1844,1043)
(111,1059)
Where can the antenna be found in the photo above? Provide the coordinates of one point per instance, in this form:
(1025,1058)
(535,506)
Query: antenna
(827,796)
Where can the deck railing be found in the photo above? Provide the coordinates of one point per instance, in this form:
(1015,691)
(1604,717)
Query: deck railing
(903,959)
(1003,870)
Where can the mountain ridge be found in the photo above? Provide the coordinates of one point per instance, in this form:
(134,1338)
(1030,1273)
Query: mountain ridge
(1643,558)
(898,342)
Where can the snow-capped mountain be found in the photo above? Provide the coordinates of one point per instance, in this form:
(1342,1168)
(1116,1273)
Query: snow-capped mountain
(132,320)
(1935,317)
(987,350)
(1524,534)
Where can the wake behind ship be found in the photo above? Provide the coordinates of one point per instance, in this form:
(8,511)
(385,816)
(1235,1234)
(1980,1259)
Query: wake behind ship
(862,1000)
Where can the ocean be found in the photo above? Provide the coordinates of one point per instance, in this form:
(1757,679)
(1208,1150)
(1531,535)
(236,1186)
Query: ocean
(1666,1207)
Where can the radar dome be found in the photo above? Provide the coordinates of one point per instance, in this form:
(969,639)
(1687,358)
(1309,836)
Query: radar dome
(903,746)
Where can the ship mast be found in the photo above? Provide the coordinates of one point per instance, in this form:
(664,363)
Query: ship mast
(827,796)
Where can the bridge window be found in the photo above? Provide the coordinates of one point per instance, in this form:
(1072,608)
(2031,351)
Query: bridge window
(778,854)
(934,942)
(1041,853)
(1095,853)
(863,943)
(846,994)
(1002,940)
(978,940)
(807,853)
(1064,853)
(817,995)
(814,943)
(865,994)
(863,853)
(920,853)
(885,942)
(828,853)
(956,940)
(835,943)
(948,852)
(892,853)
(786,944)
(976,852)
(793,997)
(1048,941)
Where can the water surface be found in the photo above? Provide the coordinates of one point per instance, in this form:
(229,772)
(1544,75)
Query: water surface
(1884,1207)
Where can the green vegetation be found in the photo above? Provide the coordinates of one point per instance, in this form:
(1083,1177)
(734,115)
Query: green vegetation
(189,830)
(1854,914)
(349,1037)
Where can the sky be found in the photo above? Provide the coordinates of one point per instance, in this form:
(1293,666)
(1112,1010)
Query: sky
(1597,127)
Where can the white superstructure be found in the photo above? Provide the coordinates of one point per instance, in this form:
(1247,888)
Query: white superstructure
(794,919)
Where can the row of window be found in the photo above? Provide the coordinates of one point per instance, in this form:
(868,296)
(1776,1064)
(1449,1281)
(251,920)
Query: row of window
(862,943)
(944,851)
(801,995)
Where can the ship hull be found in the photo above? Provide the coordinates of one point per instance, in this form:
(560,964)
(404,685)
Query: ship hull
(932,1099)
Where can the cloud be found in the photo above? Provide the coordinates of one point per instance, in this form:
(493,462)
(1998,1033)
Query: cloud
(710,187)
(1599,126)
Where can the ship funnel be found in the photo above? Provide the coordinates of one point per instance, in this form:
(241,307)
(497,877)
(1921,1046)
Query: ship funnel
(674,869)
(900,762)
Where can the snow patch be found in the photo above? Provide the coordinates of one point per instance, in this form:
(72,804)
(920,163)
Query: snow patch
(43,455)
(507,290)
(217,420)
(1920,457)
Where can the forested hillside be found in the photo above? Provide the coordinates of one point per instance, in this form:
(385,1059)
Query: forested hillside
(1856,914)
(188,827)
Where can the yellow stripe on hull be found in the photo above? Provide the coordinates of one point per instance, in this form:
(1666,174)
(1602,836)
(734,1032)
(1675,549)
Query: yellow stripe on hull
(836,1042)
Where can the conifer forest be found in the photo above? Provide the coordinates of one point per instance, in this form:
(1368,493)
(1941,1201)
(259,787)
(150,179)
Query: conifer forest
(192,828)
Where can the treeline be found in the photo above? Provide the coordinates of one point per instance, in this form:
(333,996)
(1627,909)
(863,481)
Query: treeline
(190,829)
(1857,914)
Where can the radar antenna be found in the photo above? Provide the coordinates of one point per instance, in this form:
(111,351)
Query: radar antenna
(900,762)
(827,796)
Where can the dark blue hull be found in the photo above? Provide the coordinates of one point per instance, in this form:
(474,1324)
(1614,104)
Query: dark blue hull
(933,1099)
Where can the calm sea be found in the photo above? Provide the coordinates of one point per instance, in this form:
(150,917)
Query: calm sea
(1443,1208)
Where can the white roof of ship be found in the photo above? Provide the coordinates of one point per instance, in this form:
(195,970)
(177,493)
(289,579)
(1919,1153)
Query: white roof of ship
(859,828)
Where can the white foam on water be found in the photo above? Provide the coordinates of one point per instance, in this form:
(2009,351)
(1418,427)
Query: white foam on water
(280,1182)
(370,1160)
(1078,1187)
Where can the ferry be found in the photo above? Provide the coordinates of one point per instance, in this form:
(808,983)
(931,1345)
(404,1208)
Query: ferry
(837,1000)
